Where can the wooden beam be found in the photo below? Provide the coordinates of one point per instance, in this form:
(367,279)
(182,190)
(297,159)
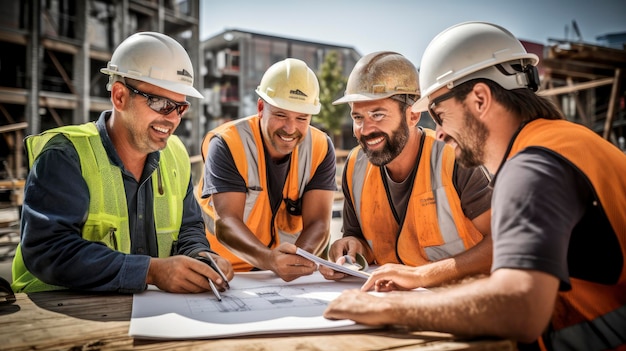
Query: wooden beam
(13,127)
(610,113)
(576,87)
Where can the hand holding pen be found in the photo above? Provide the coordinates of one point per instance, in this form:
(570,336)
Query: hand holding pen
(211,263)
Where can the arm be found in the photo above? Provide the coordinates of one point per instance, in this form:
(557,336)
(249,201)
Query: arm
(234,234)
(316,217)
(483,307)
(474,261)
(55,208)
(352,241)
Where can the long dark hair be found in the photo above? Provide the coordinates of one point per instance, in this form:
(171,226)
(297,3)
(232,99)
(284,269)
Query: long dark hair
(523,103)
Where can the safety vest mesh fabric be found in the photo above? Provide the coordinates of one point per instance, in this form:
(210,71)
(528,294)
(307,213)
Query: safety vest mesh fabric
(245,141)
(107,220)
(435,226)
(595,314)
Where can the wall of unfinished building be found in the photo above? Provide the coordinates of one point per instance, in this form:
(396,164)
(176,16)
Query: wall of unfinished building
(51,52)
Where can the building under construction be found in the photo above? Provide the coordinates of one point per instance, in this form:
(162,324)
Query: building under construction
(51,52)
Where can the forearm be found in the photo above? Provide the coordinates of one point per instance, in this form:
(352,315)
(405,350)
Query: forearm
(474,261)
(237,237)
(511,307)
(192,235)
(314,238)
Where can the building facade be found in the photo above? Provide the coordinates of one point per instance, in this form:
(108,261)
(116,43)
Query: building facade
(235,61)
(51,52)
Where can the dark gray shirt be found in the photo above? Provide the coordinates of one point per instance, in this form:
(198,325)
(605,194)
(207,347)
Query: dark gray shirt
(221,174)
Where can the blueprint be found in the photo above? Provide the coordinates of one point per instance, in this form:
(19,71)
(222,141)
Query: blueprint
(257,303)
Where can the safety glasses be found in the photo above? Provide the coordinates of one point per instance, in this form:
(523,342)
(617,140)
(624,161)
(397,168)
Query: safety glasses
(438,100)
(160,104)
(7,296)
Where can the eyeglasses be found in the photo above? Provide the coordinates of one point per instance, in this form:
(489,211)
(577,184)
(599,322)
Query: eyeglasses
(7,296)
(438,100)
(160,104)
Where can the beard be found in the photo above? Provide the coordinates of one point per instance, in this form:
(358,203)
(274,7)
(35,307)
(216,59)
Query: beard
(472,144)
(393,145)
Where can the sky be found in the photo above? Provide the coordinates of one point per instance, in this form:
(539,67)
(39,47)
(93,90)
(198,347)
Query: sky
(407,26)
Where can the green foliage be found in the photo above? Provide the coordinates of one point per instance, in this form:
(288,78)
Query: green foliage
(332,87)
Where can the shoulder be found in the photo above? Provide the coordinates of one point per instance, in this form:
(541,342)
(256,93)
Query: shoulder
(537,172)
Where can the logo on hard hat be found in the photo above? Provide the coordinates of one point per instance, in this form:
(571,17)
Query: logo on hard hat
(184,72)
(300,93)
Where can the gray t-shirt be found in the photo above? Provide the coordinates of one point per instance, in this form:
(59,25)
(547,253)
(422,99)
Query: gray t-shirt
(545,219)
(221,174)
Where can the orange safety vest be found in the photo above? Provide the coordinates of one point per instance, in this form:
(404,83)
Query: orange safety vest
(245,141)
(590,314)
(434,227)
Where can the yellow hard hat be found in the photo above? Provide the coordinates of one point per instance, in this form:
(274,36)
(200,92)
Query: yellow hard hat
(380,75)
(291,85)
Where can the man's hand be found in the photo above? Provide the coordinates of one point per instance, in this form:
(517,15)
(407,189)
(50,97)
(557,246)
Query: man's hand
(345,246)
(284,261)
(360,307)
(393,276)
(183,274)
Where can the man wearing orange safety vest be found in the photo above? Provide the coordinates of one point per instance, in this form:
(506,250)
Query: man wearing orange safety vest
(558,280)
(269,179)
(408,204)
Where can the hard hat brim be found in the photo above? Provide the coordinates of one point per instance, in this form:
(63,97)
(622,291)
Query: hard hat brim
(420,105)
(290,105)
(179,88)
(362,97)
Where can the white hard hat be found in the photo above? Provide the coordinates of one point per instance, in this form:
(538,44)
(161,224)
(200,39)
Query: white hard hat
(380,75)
(153,58)
(291,85)
(473,50)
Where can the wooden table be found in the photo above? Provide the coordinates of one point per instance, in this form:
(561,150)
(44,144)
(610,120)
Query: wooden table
(78,321)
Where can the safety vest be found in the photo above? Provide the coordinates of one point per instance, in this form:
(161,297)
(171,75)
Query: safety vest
(590,316)
(245,141)
(434,227)
(107,220)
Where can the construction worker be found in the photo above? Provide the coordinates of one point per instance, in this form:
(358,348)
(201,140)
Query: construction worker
(407,204)
(269,179)
(109,205)
(558,280)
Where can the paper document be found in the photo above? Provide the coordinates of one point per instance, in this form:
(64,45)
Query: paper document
(256,303)
(333,265)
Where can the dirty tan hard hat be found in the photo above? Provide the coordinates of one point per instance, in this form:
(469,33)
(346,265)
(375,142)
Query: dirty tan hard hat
(380,75)
(291,85)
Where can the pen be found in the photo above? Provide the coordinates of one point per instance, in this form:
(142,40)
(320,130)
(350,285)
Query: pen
(215,291)
(216,268)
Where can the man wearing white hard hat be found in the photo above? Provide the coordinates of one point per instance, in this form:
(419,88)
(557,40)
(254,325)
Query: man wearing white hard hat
(408,206)
(109,205)
(269,179)
(558,278)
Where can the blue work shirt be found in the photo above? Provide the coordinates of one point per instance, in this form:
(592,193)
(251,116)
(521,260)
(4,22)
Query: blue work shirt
(55,208)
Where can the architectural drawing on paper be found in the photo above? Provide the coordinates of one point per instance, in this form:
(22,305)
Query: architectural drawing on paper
(254,299)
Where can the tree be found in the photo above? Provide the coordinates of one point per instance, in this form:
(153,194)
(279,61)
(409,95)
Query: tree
(332,87)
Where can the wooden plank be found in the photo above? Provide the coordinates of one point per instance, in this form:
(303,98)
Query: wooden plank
(75,321)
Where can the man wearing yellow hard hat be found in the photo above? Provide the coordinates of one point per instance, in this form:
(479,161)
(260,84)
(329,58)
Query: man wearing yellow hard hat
(269,179)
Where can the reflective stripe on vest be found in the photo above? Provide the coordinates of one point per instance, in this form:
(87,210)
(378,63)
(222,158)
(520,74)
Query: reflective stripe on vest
(599,306)
(107,220)
(445,231)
